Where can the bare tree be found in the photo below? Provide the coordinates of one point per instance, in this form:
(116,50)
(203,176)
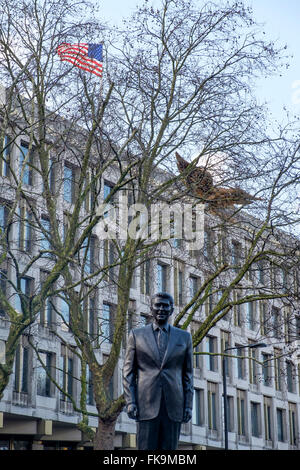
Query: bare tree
(177,78)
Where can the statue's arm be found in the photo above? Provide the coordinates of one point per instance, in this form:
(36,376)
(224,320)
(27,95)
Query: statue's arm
(130,376)
(188,388)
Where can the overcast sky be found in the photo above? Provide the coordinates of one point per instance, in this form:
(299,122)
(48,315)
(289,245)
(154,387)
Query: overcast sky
(281,20)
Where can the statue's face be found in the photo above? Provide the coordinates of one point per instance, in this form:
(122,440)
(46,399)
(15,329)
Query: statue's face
(161,310)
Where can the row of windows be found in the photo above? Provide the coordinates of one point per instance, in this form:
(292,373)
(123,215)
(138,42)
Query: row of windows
(63,373)
(254,315)
(265,421)
(235,253)
(278,275)
(271,370)
(25,164)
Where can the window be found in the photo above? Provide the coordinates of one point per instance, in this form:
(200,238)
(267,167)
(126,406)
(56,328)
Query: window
(161,277)
(198,407)
(293,423)
(21,369)
(107,188)
(209,303)
(46,315)
(193,285)
(88,254)
(268,418)
(235,255)
(3,217)
(284,279)
(25,227)
(45,237)
(277,367)
(264,318)
(26,286)
(25,169)
(5,156)
(237,310)
(253,366)
(92,191)
(212,405)
(69,183)
(261,272)
(66,379)
(52,175)
(175,230)
(108,260)
(230,417)
(47,310)
(241,412)
(255,419)
(280,413)
(131,316)
(178,283)
(250,314)
(290,376)
(225,345)
(240,363)
(106,323)
(145,277)
(266,369)
(196,357)
(91,316)
(211,348)
(110,387)
(3,283)
(65,311)
(288,325)
(43,379)
(207,244)
(276,321)
(143,319)
(221,248)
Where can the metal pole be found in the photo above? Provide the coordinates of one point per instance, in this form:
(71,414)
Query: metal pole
(225,404)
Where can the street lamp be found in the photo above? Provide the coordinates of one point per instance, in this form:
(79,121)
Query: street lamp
(251,345)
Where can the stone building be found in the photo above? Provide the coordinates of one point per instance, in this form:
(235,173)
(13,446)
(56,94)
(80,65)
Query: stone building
(263,400)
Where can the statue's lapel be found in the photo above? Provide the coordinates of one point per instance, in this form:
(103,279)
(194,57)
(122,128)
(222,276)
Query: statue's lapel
(151,342)
(171,344)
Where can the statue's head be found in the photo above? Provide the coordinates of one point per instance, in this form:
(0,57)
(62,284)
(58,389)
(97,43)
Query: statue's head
(162,306)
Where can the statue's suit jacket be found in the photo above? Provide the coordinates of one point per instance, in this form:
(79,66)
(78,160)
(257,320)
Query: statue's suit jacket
(145,378)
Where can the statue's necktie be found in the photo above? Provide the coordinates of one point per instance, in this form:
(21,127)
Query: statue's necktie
(162,339)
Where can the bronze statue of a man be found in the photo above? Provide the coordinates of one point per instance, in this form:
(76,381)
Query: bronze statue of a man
(158,378)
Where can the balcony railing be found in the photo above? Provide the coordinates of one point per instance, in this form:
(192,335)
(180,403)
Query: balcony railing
(66,407)
(20,398)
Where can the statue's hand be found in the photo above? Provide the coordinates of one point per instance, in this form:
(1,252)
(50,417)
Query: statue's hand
(132,411)
(187,415)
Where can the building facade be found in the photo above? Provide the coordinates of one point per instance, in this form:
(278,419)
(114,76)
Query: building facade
(263,385)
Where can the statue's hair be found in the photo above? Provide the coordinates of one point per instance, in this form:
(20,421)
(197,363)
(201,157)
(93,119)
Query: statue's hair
(164,295)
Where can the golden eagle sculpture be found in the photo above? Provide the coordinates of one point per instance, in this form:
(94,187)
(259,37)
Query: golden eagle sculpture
(200,181)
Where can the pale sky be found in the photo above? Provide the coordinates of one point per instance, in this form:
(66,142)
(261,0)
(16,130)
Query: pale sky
(281,20)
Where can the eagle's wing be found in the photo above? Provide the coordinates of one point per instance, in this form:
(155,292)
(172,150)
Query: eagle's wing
(226,197)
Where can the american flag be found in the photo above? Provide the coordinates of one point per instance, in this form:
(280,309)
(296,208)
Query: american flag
(85,56)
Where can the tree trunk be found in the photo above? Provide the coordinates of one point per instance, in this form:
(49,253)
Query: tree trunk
(104,438)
